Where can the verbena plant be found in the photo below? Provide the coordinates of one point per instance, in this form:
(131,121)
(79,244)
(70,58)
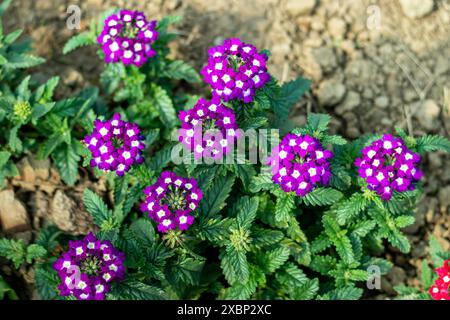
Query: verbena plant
(436,283)
(306,220)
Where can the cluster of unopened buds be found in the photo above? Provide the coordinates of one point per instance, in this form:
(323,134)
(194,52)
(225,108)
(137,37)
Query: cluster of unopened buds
(88,268)
(208,129)
(128,37)
(115,145)
(171,200)
(387,165)
(299,163)
(440,289)
(235,70)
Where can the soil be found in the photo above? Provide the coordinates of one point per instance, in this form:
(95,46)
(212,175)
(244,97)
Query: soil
(374,64)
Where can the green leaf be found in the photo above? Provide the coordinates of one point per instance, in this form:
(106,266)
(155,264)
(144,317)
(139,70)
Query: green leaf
(243,290)
(322,197)
(323,264)
(404,221)
(261,182)
(306,291)
(4,157)
(161,158)
(143,231)
(134,290)
(77,41)
(427,275)
(339,239)
(234,265)
(291,275)
(4,5)
(400,241)
(13,250)
(273,259)
(21,61)
(35,251)
(289,94)
(350,208)
(47,237)
(333,139)
(318,122)
(431,143)
(246,208)
(45,92)
(6,290)
(264,237)
(66,161)
(164,105)
(362,228)
(51,144)
(165,22)
(14,141)
(47,283)
(180,70)
(214,199)
(245,172)
(284,206)
(187,270)
(346,293)
(23,90)
(39,110)
(100,213)
(151,136)
(214,230)
(406,293)
(12,37)
(320,243)
(437,252)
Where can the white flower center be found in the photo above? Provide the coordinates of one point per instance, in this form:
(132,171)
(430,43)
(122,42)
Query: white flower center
(304,145)
(312,171)
(371,154)
(103,131)
(380,176)
(183,219)
(387,145)
(114,46)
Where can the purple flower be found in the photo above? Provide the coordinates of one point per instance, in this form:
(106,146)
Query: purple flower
(299,163)
(128,37)
(387,166)
(88,268)
(208,129)
(235,70)
(171,200)
(115,145)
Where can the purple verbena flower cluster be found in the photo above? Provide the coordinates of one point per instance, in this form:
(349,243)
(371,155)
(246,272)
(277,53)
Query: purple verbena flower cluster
(299,163)
(115,145)
(235,70)
(387,165)
(88,268)
(128,37)
(208,129)
(171,200)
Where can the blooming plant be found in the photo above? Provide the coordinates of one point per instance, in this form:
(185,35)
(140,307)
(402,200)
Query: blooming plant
(300,213)
(235,70)
(171,200)
(435,284)
(88,268)
(115,145)
(127,37)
